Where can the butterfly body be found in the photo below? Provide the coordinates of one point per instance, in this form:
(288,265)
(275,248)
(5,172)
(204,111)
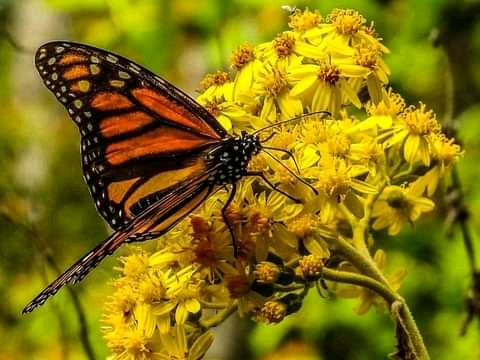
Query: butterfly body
(150,154)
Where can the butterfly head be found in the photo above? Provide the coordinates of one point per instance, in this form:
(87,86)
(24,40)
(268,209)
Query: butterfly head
(231,158)
(250,144)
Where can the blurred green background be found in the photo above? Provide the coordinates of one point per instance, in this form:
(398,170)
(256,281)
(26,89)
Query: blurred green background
(47,219)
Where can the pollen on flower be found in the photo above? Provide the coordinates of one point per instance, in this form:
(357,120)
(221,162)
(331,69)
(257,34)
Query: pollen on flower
(367,56)
(213,108)
(234,214)
(337,143)
(314,132)
(242,56)
(311,266)
(260,255)
(370,30)
(271,312)
(346,21)
(136,344)
(335,181)
(302,226)
(209,247)
(284,138)
(123,301)
(258,222)
(150,290)
(421,121)
(445,149)
(135,265)
(218,78)
(266,272)
(329,73)
(283,44)
(285,177)
(128,343)
(392,105)
(303,21)
(275,82)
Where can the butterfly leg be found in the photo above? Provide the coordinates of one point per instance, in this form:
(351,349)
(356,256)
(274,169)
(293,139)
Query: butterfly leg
(274,187)
(233,191)
(315,191)
(285,151)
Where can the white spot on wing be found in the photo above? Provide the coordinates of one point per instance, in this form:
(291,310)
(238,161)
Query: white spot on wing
(112,58)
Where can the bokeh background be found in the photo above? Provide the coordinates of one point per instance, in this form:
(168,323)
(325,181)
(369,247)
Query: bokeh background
(47,219)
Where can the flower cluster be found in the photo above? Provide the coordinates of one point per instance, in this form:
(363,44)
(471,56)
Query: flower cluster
(356,158)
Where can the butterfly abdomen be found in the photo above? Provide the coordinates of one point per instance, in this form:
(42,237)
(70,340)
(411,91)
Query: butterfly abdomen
(232,157)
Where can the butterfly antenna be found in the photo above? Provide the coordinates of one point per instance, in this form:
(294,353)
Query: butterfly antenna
(315,191)
(296,118)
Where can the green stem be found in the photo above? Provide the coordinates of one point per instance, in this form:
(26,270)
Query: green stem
(361,280)
(218,318)
(405,318)
(397,305)
(371,277)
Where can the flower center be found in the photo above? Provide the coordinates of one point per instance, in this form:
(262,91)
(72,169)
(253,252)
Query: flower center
(329,73)
(420,121)
(283,45)
(347,21)
(303,21)
(242,56)
(275,83)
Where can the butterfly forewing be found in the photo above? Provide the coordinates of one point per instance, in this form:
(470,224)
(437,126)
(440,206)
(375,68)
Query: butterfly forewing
(139,132)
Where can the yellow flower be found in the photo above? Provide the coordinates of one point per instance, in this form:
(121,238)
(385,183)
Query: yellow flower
(445,153)
(314,235)
(271,312)
(325,86)
(245,61)
(282,49)
(265,214)
(215,86)
(349,27)
(397,206)
(413,130)
(175,345)
(272,86)
(183,293)
(369,153)
(231,115)
(369,56)
(302,21)
(136,265)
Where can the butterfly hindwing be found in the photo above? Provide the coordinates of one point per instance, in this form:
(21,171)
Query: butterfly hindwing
(150,223)
(140,134)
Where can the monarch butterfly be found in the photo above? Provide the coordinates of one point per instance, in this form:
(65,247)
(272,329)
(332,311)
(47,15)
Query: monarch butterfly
(150,153)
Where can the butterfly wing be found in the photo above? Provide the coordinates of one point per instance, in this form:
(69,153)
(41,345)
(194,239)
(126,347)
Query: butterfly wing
(143,145)
(152,222)
(140,134)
